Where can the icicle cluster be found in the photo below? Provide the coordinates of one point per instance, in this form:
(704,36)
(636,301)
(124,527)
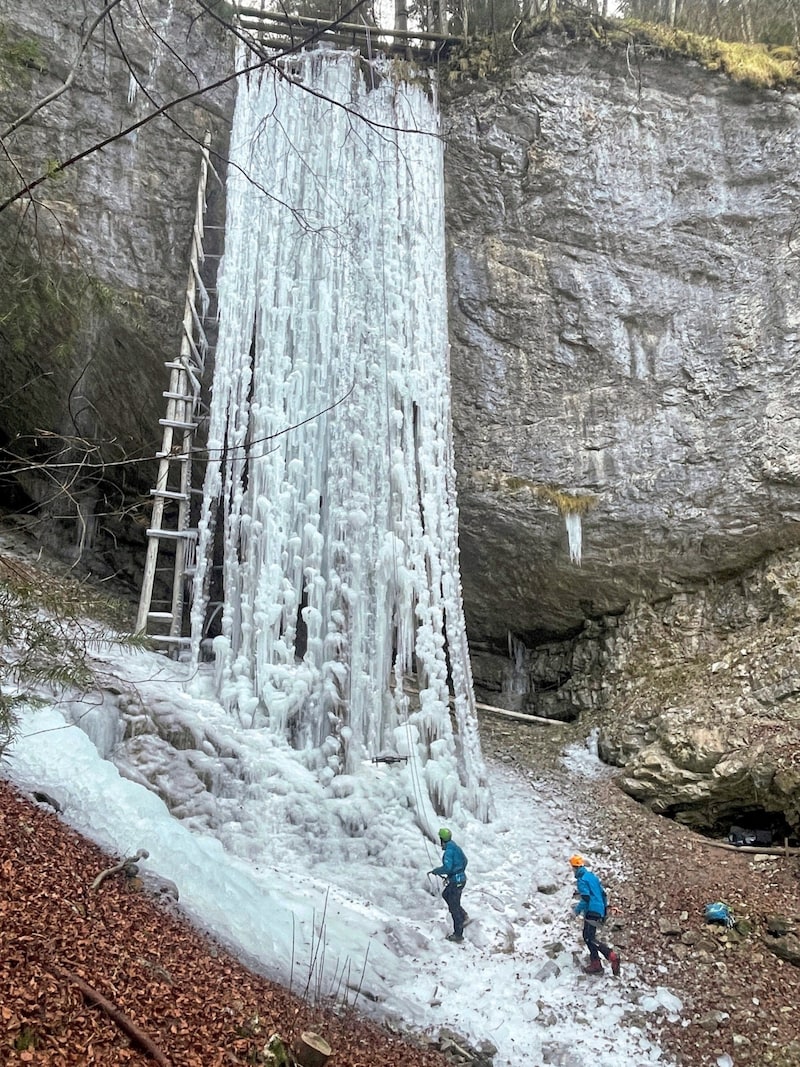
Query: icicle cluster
(574,526)
(331,466)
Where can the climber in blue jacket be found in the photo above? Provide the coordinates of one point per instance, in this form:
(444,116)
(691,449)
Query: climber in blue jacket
(592,906)
(454,864)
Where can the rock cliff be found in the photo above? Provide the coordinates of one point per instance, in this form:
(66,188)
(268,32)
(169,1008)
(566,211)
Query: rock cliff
(625,321)
(94,266)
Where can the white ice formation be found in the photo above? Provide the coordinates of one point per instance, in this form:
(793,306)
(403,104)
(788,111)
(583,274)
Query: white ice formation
(574,526)
(330,487)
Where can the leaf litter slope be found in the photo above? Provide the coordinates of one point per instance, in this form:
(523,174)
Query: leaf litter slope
(189,995)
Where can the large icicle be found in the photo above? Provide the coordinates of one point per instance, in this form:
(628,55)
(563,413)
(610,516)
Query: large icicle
(330,440)
(574,526)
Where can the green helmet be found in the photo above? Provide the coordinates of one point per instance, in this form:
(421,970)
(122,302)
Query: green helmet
(445,834)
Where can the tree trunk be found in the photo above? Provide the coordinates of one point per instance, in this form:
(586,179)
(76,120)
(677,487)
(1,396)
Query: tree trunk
(400,15)
(312,1050)
(747,23)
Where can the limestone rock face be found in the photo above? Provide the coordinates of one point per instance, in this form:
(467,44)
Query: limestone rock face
(624,298)
(95,260)
(696,699)
(625,319)
(729,752)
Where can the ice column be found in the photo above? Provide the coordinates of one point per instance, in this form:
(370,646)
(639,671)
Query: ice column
(330,487)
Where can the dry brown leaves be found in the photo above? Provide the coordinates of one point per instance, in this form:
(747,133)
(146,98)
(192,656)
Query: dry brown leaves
(193,1000)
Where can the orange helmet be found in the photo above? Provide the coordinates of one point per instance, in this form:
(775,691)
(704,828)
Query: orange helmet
(577,861)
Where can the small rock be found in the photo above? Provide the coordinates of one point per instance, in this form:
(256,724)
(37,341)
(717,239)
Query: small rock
(45,798)
(712,1022)
(780,925)
(549,970)
(706,945)
(559,1056)
(669,927)
(554,949)
(786,948)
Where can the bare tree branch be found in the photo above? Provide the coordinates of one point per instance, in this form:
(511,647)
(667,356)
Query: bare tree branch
(165,108)
(70,77)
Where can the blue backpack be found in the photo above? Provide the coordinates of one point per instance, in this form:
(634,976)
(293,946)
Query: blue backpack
(719,913)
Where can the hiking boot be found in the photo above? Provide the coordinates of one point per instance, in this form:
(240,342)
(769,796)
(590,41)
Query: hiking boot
(455,937)
(595,967)
(465,919)
(613,959)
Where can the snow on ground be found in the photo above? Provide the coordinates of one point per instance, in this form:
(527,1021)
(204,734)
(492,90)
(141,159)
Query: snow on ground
(325,888)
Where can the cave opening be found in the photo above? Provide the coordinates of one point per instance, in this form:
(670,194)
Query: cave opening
(747,824)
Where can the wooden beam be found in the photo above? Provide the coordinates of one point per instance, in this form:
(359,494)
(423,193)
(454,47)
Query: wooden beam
(764,851)
(289,43)
(537,720)
(520,717)
(351,27)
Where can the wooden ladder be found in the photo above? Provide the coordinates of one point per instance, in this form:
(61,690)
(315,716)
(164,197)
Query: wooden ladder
(171,539)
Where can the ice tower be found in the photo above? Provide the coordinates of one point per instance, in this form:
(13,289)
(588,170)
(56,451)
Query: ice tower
(329,503)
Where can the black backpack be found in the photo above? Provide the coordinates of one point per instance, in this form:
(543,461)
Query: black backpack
(737,835)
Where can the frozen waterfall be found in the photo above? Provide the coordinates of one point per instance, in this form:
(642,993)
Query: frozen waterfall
(329,498)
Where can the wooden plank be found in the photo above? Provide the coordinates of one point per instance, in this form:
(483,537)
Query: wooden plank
(764,851)
(517,715)
(347,27)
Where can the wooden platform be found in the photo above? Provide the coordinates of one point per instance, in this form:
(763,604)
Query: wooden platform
(274,29)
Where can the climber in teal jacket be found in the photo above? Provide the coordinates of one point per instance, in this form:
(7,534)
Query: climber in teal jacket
(592,906)
(452,869)
(591,892)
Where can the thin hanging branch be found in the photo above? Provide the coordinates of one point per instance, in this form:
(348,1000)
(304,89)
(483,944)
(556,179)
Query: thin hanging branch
(61,166)
(69,79)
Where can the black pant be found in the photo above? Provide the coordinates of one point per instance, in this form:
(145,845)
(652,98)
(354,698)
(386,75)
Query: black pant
(595,947)
(452,897)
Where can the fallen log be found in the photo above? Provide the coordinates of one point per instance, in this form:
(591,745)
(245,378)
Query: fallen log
(115,1014)
(518,715)
(764,850)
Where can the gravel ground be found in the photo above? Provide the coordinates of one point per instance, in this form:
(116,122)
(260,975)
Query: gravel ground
(739,998)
